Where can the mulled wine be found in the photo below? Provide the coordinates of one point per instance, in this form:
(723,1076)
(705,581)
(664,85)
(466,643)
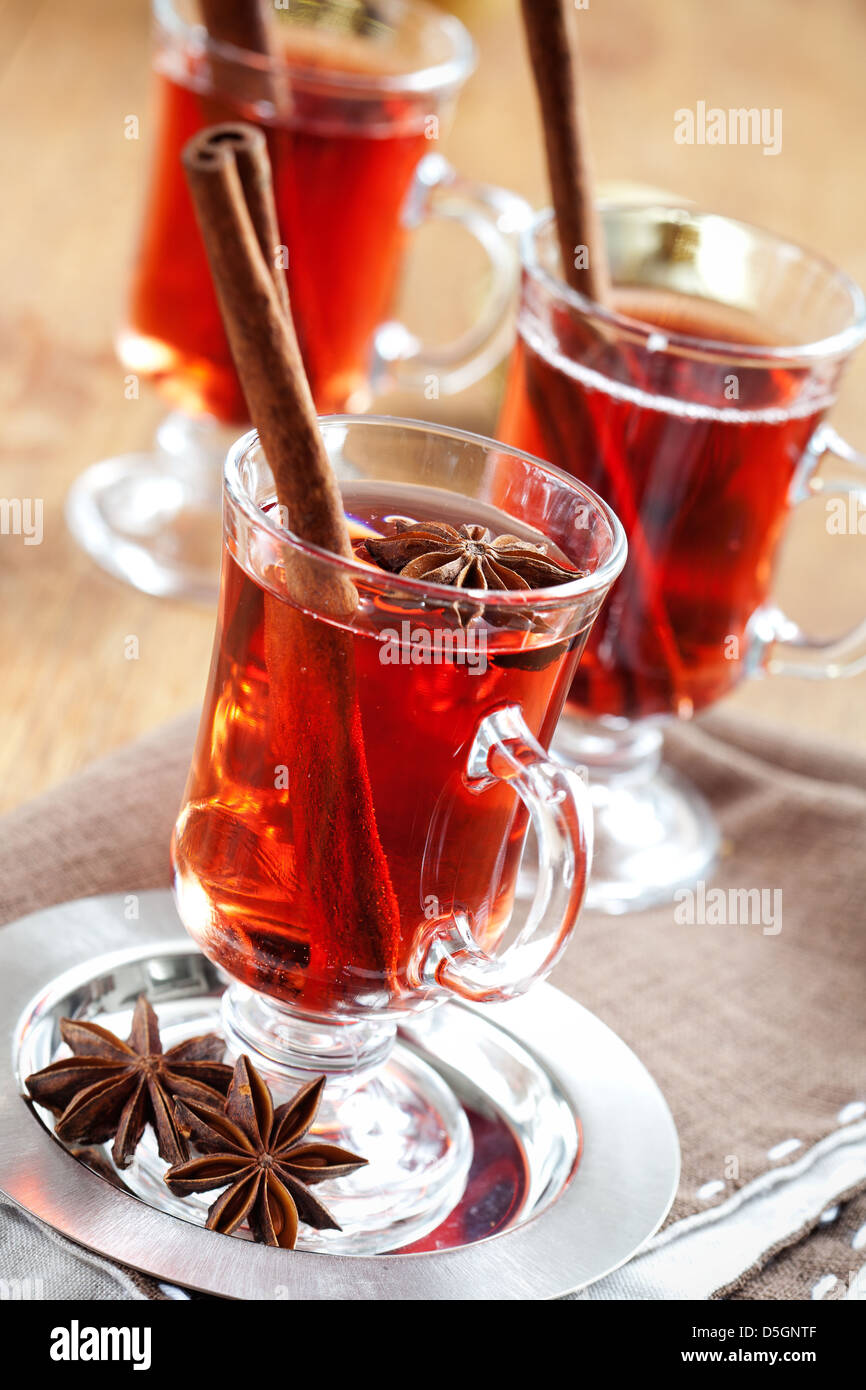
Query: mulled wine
(258,846)
(696,453)
(341,168)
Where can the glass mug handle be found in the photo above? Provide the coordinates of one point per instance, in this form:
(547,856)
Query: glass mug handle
(446,953)
(783,648)
(494,217)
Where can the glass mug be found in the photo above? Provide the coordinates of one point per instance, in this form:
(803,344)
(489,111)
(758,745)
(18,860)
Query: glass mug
(695,406)
(350,118)
(352,827)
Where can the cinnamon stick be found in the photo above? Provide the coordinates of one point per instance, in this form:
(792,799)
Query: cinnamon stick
(242,25)
(352,914)
(557,81)
(249,147)
(552,40)
(238,22)
(265,346)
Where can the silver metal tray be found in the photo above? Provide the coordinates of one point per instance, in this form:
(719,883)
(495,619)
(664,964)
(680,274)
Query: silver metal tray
(576,1164)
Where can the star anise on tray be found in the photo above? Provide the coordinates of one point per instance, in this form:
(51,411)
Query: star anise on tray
(256,1154)
(110,1087)
(466,557)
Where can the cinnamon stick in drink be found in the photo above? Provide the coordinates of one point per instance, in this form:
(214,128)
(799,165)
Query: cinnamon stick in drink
(240,23)
(334,833)
(550,27)
(238,29)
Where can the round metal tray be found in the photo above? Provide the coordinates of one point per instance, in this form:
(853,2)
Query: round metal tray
(540,1217)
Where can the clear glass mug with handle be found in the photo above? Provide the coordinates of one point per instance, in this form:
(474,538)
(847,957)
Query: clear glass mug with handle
(349,842)
(352,101)
(696,406)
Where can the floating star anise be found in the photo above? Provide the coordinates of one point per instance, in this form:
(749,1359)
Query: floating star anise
(110,1087)
(256,1154)
(466,557)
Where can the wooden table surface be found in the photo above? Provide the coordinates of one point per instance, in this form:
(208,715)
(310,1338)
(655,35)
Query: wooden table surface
(73,183)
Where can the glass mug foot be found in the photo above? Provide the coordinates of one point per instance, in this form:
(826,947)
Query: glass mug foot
(654,832)
(381,1101)
(153,519)
(395,1110)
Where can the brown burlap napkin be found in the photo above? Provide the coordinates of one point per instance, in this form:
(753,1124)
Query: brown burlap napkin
(754,1033)
(827,1264)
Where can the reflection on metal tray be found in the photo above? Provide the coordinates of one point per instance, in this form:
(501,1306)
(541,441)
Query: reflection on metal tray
(526,1135)
(533,1222)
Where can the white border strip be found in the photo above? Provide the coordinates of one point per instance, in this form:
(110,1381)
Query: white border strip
(702,1253)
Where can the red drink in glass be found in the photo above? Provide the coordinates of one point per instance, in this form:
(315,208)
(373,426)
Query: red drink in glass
(701,488)
(694,403)
(363,771)
(350,99)
(342,170)
(243,823)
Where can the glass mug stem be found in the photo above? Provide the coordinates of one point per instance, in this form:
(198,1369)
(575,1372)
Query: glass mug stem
(447,954)
(293,1049)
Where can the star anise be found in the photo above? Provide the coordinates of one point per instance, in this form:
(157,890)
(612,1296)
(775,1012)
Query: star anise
(256,1154)
(466,557)
(110,1087)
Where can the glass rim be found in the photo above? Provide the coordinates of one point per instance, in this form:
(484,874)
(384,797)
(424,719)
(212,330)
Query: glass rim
(560,596)
(449,73)
(840,344)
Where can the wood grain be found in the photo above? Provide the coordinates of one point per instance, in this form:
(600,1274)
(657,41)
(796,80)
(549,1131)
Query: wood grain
(68,80)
